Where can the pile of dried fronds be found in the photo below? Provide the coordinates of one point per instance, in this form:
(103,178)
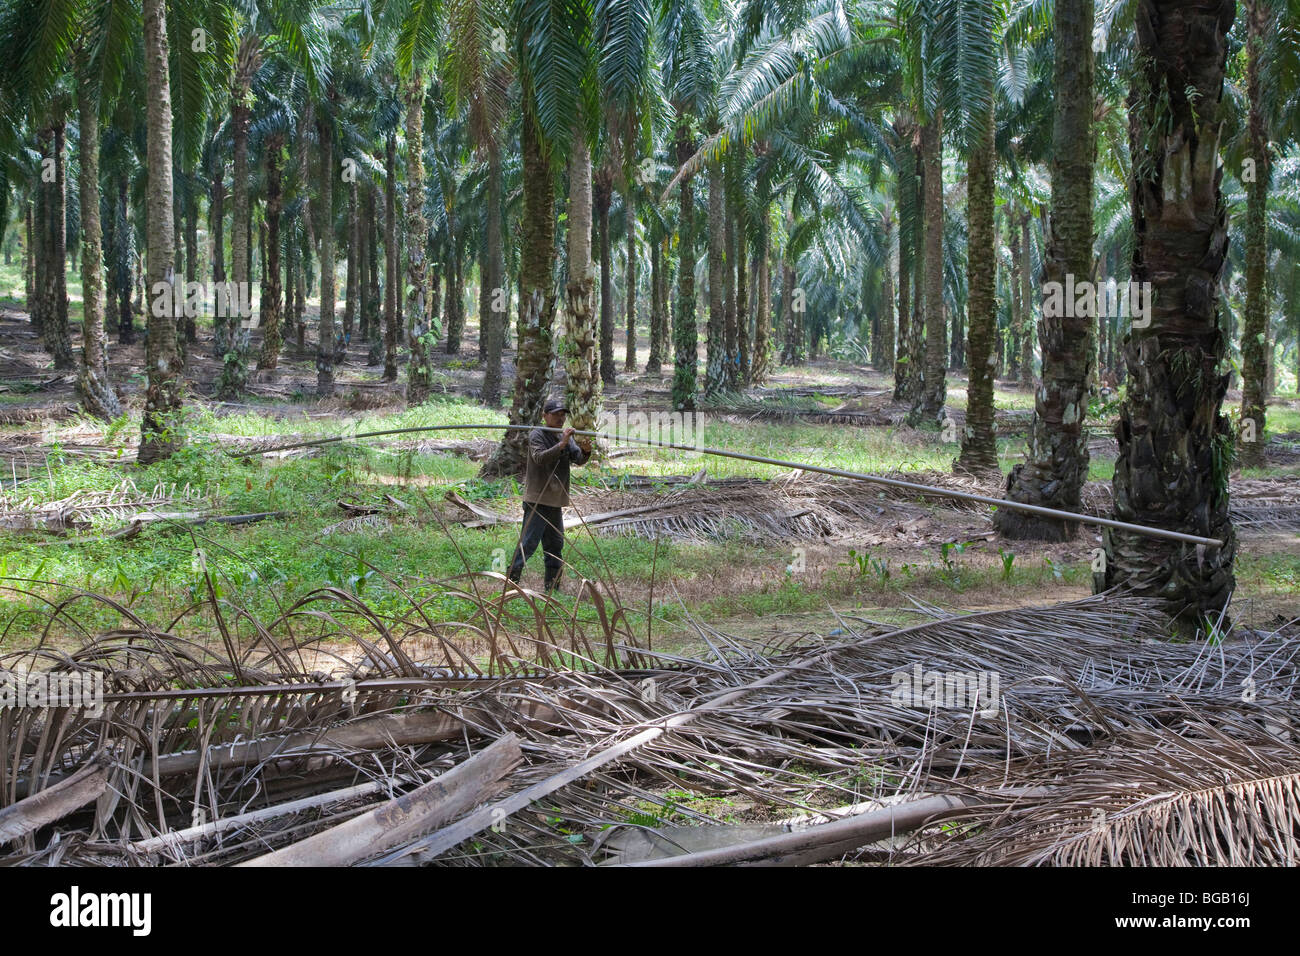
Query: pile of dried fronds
(527,734)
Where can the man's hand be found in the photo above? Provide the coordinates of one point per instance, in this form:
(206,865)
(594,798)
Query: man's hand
(566,434)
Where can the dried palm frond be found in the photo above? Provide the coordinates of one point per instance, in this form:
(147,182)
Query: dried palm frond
(1198,797)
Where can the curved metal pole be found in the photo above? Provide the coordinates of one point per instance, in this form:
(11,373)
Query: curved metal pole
(780,463)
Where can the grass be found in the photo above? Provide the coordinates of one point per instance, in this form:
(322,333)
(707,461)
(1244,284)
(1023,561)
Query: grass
(265,566)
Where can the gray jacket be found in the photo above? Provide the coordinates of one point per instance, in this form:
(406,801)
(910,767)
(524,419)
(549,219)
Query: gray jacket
(546,477)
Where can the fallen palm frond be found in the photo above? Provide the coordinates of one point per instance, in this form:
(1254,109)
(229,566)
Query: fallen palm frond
(1202,796)
(82,509)
(287,728)
(1255,504)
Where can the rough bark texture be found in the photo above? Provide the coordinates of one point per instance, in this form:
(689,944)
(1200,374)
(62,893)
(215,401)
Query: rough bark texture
(629,215)
(162,400)
(602,196)
(422,336)
(494,319)
(28,259)
(1175,446)
(372,305)
(908,224)
(730,336)
(37,301)
(121,267)
(217,222)
(763,312)
(882,345)
(715,352)
(654,364)
(97,395)
(1027,307)
(353,274)
(1254,327)
(685,337)
(191,255)
(535,362)
(1056,462)
(933,390)
(742,302)
(270,306)
(579,348)
(455,308)
(54,330)
(234,346)
(1018,330)
(392,264)
(325,329)
(979,450)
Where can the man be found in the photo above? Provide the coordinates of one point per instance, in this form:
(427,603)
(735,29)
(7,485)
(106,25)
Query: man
(546,492)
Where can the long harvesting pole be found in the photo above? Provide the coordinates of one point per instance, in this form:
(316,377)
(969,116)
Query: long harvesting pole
(780,463)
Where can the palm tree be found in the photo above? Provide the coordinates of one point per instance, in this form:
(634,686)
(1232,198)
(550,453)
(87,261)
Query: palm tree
(551,69)
(1056,462)
(160,428)
(416,49)
(1175,446)
(979,452)
(93,384)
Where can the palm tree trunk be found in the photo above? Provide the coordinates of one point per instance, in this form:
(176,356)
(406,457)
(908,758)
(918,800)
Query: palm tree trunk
(455,298)
(979,450)
(302,261)
(584,385)
(903,334)
(933,391)
(325,331)
(730,336)
(1027,326)
(763,311)
(1056,462)
(216,221)
(38,301)
(353,280)
(493,321)
(629,215)
(882,346)
(391,260)
(1254,329)
(716,346)
(1175,446)
(162,400)
(1017,316)
(58,341)
(122,266)
(270,316)
(419,372)
(29,280)
(535,358)
(685,335)
(233,346)
(191,257)
(372,304)
(654,363)
(602,196)
(742,301)
(92,382)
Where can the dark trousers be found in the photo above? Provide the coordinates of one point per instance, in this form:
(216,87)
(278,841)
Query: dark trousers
(542,524)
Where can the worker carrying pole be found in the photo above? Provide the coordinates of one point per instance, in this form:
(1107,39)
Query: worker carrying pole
(546,493)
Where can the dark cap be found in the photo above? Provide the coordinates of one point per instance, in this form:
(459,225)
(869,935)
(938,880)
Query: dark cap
(553,405)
